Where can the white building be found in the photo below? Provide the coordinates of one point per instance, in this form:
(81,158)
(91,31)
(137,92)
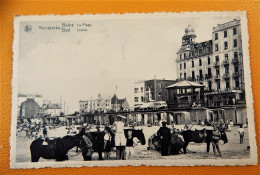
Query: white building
(139,93)
(52,109)
(100,105)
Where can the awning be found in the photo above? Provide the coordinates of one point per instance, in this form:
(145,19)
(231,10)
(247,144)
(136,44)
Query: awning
(185,84)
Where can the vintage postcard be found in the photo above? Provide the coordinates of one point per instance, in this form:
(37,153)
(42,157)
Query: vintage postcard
(157,89)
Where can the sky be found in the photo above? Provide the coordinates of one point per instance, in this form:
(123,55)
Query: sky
(113,52)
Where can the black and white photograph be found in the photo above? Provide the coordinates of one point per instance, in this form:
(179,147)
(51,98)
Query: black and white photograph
(156,89)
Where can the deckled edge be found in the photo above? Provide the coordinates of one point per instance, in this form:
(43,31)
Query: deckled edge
(253,160)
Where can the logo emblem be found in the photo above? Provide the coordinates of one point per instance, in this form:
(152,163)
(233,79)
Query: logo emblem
(28,28)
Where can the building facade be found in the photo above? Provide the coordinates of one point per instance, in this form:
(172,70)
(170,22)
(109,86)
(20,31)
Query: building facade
(103,105)
(151,90)
(119,104)
(29,109)
(216,63)
(52,109)
(139,94)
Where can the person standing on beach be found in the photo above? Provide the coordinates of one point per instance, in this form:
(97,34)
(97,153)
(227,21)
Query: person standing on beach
(107,143)
(164,134)
(120,140)
(216,135)
(241,133)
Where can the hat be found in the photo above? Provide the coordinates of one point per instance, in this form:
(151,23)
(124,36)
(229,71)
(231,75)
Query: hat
(164,122)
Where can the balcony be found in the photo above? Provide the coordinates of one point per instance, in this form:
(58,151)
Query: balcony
(226,75)
(216,64)
(237,88)
(217,76)
(190,78)
(234,60)
(225,62)
(200,78)
(235,74)
(227,90)
(208,76)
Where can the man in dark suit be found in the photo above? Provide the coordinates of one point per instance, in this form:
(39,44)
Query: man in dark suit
(164,134)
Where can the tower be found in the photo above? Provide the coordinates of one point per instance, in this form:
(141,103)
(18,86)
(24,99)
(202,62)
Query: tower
(189,36)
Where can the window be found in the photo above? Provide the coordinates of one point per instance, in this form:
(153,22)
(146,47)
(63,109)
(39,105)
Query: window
(237,83)
(216,36)
(136,99)
(217,70)
(225,34)
(136,90)
(180,56)
(200,62)
(142,89)
(193,75)
(234,31)
(209,72)
(217,59)
(192,63)
(180,75)
(208,60)
(225,45)
(216,47)
(200,72)
(218,85)
(236,69)
(184,55)
(226,69)
(184,75)
(235,43)
(209,85)
(184,65)
(180,66)
(226,57)
(142,99)
(235,55)
(227,84)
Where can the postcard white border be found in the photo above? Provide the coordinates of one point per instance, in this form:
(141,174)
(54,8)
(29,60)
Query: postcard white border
(253,160)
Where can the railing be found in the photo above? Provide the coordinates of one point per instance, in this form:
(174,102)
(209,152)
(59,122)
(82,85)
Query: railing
(226,75)
(208,76)
(216,63)
(225,62)
(217,76)
(227,90)
(234,60)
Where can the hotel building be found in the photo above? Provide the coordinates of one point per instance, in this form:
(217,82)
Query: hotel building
(216,63)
